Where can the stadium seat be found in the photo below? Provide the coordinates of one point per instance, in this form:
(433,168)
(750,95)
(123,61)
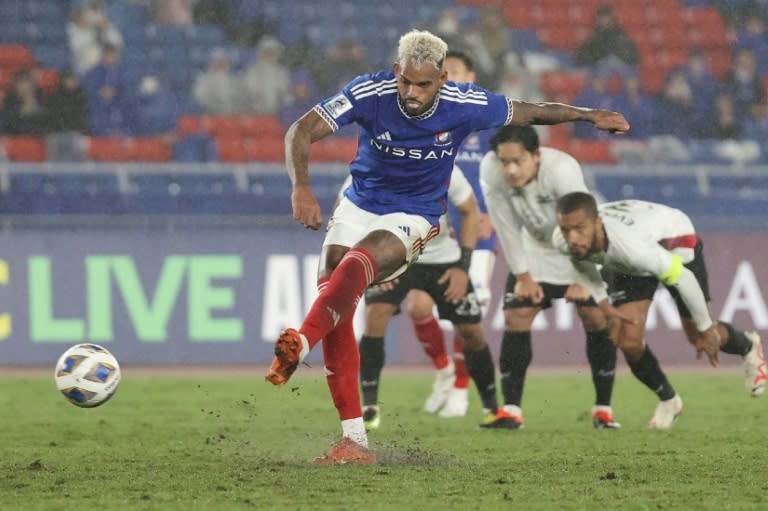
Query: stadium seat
(232,150)
(334,149)
(47,79)
(23,148)
(225,126)
(15,56)
(560,85)
(107,149)
(266,149)
(188,124)
(149,149)
(261,126)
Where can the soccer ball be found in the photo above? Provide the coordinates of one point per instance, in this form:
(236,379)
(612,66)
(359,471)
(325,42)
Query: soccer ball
(87,375)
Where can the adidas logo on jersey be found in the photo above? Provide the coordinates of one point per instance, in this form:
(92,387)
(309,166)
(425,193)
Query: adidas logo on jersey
(384,136)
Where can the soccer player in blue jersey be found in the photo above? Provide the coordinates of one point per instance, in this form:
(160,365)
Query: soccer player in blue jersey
(412,120)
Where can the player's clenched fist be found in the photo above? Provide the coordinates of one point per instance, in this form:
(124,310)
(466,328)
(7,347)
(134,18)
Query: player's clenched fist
(306,210)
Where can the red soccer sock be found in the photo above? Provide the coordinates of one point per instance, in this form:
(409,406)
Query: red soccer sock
(342,365)
(338,299)
(462,375)
(431,337)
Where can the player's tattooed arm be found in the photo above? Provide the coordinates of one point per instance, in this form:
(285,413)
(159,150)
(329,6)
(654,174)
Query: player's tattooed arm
(298,141)
(555,113)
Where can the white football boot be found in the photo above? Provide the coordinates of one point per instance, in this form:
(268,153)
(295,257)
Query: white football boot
(444,380)
(456,405)
(666,413)
(755,371)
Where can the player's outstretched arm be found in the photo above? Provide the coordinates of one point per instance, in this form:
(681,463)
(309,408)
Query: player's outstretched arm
(298,141)
(525,113)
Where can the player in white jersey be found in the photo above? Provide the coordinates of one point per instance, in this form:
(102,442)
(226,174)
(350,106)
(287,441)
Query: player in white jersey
(442,274)
(411,120)
(521,183)
(640,244)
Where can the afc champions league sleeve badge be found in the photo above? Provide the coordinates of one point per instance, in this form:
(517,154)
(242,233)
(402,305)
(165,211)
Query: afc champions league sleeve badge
(337,105)
(443,139)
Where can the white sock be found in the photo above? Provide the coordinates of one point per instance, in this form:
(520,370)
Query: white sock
(602,408)
(514,410)
(354,429)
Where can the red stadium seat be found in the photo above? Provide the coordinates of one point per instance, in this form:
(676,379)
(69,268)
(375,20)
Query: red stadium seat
(225,126)
(232,150)
(22,148)
(188,124)
(108,149)
(266,149)
(560,85)
(149,149)
(592,151)
(13,55)
(334,149)
(652,77)
(261,126)
(563,37)
(47,79)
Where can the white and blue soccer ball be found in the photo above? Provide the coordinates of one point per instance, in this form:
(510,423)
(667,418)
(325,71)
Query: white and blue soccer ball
(87,375)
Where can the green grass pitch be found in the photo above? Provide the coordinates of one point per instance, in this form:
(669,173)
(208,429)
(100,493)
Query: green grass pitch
(234,442)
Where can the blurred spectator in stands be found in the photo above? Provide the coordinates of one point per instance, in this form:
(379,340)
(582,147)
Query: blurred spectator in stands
(675,107)
(609,45)
(89,29)
(490,45)
(637,107)
(266,81)
(751,34)
(243,20)
(722,123)
(154,109)
(343,61)
(67,120)
(172,12)
(68,106)
(216,90)
(212,12)
(302,97)
(23,111)
(756,127)
(704,85)
(109,96)
(743,83)
(595,94)
(448,28)
(519,83)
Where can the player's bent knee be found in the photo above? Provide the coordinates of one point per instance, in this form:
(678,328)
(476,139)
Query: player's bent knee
(472,335)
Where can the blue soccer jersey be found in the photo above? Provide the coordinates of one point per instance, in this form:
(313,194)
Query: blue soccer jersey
(471,152)
(403,163)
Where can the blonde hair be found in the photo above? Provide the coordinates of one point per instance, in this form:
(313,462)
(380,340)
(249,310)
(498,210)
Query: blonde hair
(420,47)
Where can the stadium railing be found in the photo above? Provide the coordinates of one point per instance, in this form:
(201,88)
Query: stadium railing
(717,197)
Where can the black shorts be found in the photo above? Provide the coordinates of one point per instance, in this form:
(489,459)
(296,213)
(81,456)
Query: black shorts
(623,288)
(425,277)
(551,292)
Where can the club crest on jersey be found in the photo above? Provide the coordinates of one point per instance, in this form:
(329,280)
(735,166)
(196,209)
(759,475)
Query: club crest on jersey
(443,138)
(338,105)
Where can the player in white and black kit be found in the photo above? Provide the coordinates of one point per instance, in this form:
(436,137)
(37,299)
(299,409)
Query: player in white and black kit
(442,272)
(640,244)
(521,183)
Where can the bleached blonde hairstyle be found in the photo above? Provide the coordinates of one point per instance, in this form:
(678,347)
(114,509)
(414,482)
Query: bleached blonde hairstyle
(420,47)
